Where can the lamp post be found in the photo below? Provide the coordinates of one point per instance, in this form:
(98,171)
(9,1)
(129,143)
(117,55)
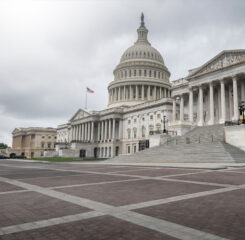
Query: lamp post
(164,121)
(242,110)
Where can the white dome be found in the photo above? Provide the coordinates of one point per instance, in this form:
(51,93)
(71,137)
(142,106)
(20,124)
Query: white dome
(141,75)
(141,51)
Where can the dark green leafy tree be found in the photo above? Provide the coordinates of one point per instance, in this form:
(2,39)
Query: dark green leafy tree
(3,146)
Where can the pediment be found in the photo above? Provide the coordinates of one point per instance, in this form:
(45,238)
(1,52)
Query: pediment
(224,59)
(80,114)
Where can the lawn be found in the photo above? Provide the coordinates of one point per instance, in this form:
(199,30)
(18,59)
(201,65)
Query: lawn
(66,159)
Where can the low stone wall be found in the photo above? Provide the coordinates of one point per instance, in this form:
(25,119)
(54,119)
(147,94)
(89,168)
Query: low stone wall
(235,135)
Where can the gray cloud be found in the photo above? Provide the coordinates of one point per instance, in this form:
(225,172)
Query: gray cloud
(51,50)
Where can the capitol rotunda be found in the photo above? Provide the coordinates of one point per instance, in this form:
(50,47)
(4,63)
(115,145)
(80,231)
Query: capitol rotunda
(141,74)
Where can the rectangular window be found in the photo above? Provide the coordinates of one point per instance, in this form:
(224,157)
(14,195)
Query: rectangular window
(128,149)
(49,145)
(134,72)
(145,73)
(151,117)
(139,72)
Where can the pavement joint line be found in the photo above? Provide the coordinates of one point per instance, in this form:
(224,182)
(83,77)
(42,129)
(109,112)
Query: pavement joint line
(166,227)
(91,184)
(47,177)
(151,203)
(233,172)
(197,182)
(142,177)
(15,191)
(48,222)
(132,170)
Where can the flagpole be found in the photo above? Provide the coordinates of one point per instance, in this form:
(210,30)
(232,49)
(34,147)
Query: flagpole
(86,99)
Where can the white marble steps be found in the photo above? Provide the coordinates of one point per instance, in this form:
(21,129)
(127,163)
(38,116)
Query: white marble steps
(211,149)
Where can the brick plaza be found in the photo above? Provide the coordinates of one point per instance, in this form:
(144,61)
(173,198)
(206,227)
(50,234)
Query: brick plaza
(79,201)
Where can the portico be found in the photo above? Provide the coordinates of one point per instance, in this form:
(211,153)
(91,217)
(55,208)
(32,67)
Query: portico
(210,97)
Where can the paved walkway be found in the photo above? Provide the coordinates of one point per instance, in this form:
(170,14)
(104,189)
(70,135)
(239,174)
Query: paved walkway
(97,201)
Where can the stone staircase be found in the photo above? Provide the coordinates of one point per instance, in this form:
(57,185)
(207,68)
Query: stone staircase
(200,145)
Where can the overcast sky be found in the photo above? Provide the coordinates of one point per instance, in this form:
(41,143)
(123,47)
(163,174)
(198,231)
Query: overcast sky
(50,50)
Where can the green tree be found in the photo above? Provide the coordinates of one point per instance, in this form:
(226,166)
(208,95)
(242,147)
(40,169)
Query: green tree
(3,146)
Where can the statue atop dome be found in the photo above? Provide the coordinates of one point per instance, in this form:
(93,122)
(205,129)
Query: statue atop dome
(142,24)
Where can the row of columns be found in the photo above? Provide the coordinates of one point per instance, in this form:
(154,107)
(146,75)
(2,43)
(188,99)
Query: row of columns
(235,113)
(107,130)
(127,93)
(124,74)
(83,132)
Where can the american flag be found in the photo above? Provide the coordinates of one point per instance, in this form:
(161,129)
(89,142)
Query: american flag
(90,90)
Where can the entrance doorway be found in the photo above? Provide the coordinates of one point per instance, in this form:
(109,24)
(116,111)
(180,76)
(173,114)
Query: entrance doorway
(134,148)
(82,153)
(117,151)
(95,152)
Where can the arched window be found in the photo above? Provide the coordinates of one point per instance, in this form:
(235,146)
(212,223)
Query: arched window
(134,72)
(130,73)
(129,133)
(145,73)
(143,131)
(140,72)
(121,74)
(135,132)
(155,74)
(125,74)
(150,73)
(159,75)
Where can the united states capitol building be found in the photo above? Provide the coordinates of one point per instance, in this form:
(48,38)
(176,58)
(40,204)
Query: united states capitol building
(141,96)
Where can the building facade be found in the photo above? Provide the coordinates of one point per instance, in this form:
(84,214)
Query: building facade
(141,96)
(32,142)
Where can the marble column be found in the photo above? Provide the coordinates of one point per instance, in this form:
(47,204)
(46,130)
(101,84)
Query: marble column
(235,98)
(181,108)
(149,92)
(190,105)
(242,89)
(120,128)
(160,92)
(92,132)
(131,92)
(98,136)
(200,97)
(222,91)
(142,92)
(109,137)
(155,93)
(102,130)
(80,132)
(106,133)
(136,92)
(113,128)
(119,94)
(230,102)
(174,111)
(89,129)
(211,104)
(165,92)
